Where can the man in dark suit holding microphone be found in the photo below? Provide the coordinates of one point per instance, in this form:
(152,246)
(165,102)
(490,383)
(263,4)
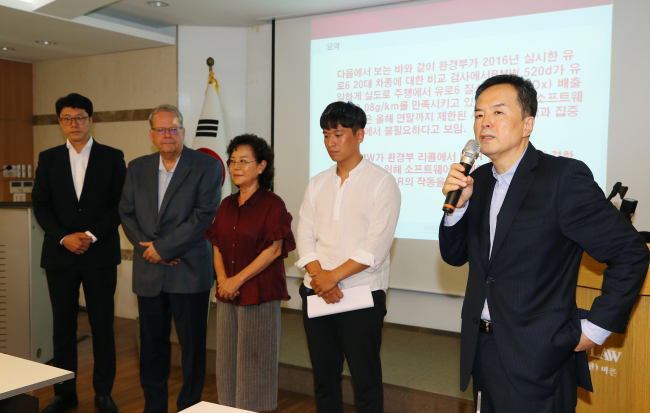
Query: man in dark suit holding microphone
(77,189)
(522,222)
(170,198)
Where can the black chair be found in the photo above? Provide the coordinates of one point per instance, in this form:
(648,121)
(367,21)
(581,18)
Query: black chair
(646,236)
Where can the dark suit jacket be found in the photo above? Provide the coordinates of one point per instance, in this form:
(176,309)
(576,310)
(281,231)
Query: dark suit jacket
(59,213)
(188,208)
(552,212)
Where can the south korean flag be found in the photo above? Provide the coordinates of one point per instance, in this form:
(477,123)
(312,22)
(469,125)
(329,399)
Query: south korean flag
(210,135)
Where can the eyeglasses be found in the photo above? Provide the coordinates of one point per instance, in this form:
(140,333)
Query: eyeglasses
(80,120)
(161,131)
(241,164)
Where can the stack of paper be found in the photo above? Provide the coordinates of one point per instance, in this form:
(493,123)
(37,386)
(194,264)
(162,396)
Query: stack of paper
(354,298)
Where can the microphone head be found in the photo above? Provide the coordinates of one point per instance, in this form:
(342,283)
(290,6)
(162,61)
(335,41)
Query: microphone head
(622,191)
(615,190)
(472,145)
(470,152)
(8,167)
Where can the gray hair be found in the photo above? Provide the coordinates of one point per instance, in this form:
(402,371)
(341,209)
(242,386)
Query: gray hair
(166,108)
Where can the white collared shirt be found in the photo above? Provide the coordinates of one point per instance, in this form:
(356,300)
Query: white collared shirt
(78,165)
(353,220)
(164,178)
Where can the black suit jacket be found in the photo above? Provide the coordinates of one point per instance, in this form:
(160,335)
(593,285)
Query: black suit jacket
(553,211)
(59,213)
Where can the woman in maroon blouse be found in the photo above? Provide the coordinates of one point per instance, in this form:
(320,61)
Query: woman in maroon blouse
(251,235)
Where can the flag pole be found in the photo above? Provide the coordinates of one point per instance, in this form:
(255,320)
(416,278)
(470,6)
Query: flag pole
(211,79)
(210,134)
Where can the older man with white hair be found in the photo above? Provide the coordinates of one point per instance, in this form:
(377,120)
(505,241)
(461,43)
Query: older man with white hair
(170,198)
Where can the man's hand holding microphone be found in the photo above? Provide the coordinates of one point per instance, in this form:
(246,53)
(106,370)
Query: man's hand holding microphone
(457,180)
(459,185)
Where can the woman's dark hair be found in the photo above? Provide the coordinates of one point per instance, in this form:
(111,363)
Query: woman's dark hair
(75,101)
(346,114)
(262,152)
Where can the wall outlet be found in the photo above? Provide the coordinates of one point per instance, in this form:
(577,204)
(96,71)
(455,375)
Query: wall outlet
(27,186)
(16,187)
(13,173)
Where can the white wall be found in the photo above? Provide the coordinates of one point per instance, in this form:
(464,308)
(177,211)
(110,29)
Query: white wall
(627,145)
(227,46)
(126,303)
(258,81)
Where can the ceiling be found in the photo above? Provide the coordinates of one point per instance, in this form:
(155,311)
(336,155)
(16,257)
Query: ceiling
(231,13)
(91,27)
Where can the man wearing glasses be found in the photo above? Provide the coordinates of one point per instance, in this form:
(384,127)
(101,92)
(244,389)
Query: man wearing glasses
(170,198)
(76,194)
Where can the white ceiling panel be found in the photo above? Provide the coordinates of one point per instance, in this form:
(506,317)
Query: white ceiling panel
(91,27)
(233,13)
(21,29)
(68,9)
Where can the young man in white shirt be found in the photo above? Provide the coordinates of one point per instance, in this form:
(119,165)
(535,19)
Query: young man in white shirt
(346,227)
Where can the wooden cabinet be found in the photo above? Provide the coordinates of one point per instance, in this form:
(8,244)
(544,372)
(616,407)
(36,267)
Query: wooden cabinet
(620,367)
(26,314)
(16,121)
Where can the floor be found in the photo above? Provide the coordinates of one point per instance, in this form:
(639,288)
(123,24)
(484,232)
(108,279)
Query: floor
(413,359)
(127,392)
(419,360)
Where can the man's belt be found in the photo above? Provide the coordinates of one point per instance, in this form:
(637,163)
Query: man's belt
(485,327)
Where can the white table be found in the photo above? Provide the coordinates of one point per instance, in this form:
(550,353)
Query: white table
(205,407)
(19,376)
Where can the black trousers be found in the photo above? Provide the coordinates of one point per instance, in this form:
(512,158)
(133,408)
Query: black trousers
(190,312)
(99,291)
(499,395)
(355,336)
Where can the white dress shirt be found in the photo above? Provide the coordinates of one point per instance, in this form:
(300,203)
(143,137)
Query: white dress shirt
(354,220)
(164,178)
(596,334)
(78,165)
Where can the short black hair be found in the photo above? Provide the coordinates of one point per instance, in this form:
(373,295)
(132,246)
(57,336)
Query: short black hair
(75,101)
(346,114)
(526,93)
(262,152)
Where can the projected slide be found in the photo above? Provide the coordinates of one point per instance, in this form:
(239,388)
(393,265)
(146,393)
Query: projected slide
(414,71)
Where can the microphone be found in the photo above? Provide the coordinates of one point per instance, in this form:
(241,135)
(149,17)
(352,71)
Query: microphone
(467,159)
(622,192)
(615,190)
(7,168)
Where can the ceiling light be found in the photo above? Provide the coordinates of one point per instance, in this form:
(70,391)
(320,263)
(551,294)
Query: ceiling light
(158,3)
(7,49)
(47,42)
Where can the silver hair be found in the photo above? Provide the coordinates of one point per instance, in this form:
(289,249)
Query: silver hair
(166,108)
